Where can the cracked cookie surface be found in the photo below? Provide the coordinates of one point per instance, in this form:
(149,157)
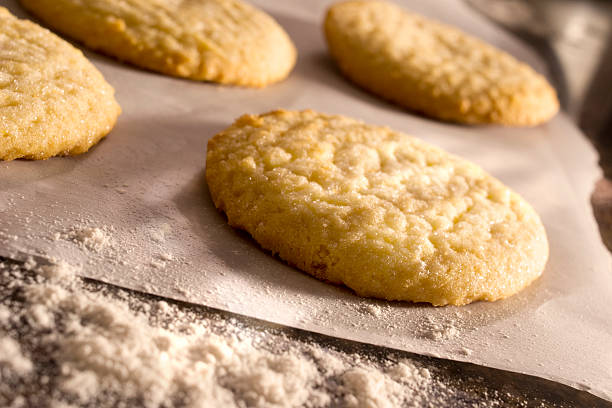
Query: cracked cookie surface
(381,212)
(225,41)
(433,68)
(53,101)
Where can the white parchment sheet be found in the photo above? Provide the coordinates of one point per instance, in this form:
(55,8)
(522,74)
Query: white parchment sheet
(144,185)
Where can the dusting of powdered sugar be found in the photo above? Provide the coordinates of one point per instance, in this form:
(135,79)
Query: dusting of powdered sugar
(162,356)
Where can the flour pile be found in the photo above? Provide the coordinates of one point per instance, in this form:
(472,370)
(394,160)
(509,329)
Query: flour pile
(106,346)
(91,238)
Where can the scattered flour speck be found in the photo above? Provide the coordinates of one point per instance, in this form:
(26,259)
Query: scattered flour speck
(158,233)
(5,315)
(374,310)
(10,355)
(166,256)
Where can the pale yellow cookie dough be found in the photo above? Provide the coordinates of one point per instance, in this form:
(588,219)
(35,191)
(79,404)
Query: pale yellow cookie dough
(225,41)
(53,101)
(433,68)
(377,210)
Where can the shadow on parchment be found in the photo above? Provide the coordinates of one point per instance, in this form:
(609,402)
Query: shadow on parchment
(236,249)
(20,172)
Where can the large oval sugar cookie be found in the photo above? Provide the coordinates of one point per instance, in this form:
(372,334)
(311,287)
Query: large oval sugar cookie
(53,101)
(225,41)
(433,68)
(377,210)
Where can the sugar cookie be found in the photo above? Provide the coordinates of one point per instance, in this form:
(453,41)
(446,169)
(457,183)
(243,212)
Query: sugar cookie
(53,101)
(225,41)
(377,210)
(433,68)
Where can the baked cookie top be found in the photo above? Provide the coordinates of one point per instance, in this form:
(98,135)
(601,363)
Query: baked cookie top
(225,41)
(433,68)
(379,211)
(53,101)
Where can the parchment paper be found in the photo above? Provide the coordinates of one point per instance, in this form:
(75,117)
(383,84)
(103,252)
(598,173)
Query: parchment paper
(144,186)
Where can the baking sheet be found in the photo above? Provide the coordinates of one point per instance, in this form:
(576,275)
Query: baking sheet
(143,187)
